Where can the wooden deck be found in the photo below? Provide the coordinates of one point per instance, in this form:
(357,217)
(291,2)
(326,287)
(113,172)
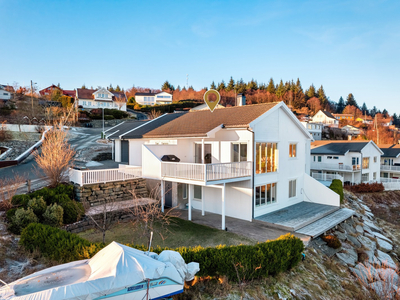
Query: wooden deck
(298,215)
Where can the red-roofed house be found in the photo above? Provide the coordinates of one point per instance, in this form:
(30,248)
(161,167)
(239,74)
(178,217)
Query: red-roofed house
(101,98)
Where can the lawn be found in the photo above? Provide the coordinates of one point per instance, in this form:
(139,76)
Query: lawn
(180,233)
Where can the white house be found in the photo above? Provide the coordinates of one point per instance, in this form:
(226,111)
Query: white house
(5,93)
(314,129)
(349,161)
(153,98)
(243,161)
(101,98)
(352,130)
(390,161)
(326,118)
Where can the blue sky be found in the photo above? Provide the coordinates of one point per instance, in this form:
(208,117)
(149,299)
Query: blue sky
(347,46)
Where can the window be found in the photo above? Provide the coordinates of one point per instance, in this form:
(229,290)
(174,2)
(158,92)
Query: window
(365,163)
(329,157)
(84,102)
(336,157)
(385,175)
(266,157)
(374,176)
(265,194)
(184,191)
(365,177)
(375,159)
(355,161)
(239,152)
(292,150)
(319,158)
(292,188)
(197,192)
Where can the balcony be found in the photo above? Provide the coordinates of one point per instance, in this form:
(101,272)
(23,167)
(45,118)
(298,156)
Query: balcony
(326,177)
(390,168)
(335,167)
(206,173)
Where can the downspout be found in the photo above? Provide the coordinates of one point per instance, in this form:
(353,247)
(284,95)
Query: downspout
(361,166)
(253,173)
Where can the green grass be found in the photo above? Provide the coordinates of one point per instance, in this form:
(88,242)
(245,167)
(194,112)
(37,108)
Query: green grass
(180,233)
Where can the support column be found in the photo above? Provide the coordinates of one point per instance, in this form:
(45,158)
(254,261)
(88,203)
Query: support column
(162,195)
(190,196)
(202,151)
(223,207)
(352,177)
(202,200)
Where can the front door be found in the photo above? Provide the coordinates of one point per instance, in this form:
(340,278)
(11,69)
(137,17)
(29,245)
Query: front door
(125,151)
(207,154)
(168,194)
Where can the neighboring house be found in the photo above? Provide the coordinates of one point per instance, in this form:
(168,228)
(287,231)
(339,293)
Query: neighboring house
(386,122)
(352,130)
(348,117)
(350,161)
(101,98)
(153,98)
(314,129)
(242,161)
(390,161)
(50,90)
(325,118)
(5,92)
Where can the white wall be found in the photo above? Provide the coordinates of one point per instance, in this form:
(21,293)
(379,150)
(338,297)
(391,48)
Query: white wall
(371,151)
(117,151)
(5,95)
(279,127)
(316,192)
(92,104)
(151,165)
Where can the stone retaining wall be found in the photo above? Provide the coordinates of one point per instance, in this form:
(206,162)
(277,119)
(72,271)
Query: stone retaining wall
(96,194)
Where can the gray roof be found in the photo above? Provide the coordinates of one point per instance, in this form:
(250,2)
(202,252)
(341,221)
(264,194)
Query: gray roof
(145,94)
(136,129)
(392,151)
(339,148)
(328,114)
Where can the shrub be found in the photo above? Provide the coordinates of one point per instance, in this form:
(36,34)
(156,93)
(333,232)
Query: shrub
(38,205)
(10,213)
(108,117)
(20,200)
(250,262)
(53,215)
(72,211)
(366,187)
(22,218)
(67,189)
(46,193)
(61,198)
(337,187)
(332,241)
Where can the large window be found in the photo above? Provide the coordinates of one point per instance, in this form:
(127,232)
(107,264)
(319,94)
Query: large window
(265,194)
(266,157)
(292,188)
(354,161)
(365,163)
(365,177)
(239,152)
(292,150)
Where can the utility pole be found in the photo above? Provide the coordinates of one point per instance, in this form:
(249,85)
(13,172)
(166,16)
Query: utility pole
(32,96)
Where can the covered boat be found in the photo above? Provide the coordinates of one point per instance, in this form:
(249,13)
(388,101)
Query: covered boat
(117,272)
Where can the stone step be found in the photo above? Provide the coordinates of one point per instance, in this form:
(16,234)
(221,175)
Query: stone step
(324,224)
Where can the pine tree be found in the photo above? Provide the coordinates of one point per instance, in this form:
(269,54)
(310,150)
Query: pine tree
(117,89)
(385,113)
(395,119)
(240,86)
(252,85)
(110,88)
(373,111)
(280,91)
(178,88)
(321,96)
(83,87)
(166,86)
(231,85)
(351,100)
(364,109)
(212,86)
(311,92)
(271,86)
(221,86)
(340,106)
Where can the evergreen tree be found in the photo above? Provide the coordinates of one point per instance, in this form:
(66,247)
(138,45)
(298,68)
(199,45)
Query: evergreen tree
(178,88)
(213,87)
(271,86)
(321,96)
(240,86)
(221,86)
(117,89)
(252,85)
(364,109)
(395,119)
(340,106)
(110,88)
(385,113)
(262,87)
(373,111)
(311,92)
(280,91)
(351,100)
(231,85)
(167,86)
(298,86)
(83,87)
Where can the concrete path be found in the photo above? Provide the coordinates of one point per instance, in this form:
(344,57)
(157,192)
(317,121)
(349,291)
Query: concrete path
(255,230)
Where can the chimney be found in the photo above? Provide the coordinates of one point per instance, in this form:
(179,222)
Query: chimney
(240,100)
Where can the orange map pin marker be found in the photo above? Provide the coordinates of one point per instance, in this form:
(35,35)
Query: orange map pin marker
(212,98)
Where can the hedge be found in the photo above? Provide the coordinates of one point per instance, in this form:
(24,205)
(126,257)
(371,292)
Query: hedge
(337,187)
(366,187)
(247,261)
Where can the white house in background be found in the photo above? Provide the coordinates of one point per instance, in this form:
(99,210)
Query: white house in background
(153,98)
(390,161)
(243,161)
(349,161)
(352,130)
(101,98)
(5,93)
(314,129)
(326,118)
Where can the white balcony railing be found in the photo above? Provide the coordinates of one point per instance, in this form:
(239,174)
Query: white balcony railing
(326,177)
(206,172)
(390,168)
(84,177)
(334,167)
(385,180)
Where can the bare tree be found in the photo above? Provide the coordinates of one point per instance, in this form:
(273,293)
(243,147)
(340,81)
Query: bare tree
(153,114)
(120,101)
(8,188)
(56,155)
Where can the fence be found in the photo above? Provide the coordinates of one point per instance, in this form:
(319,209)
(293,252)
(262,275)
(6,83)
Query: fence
(84,177)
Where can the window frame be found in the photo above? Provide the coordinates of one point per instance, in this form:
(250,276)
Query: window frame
(239,144)
(185,191)
(290,188)
(291,146)
(194,192)
(270,162)
(270,195)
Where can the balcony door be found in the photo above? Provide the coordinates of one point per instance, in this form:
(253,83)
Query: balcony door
(198,153)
